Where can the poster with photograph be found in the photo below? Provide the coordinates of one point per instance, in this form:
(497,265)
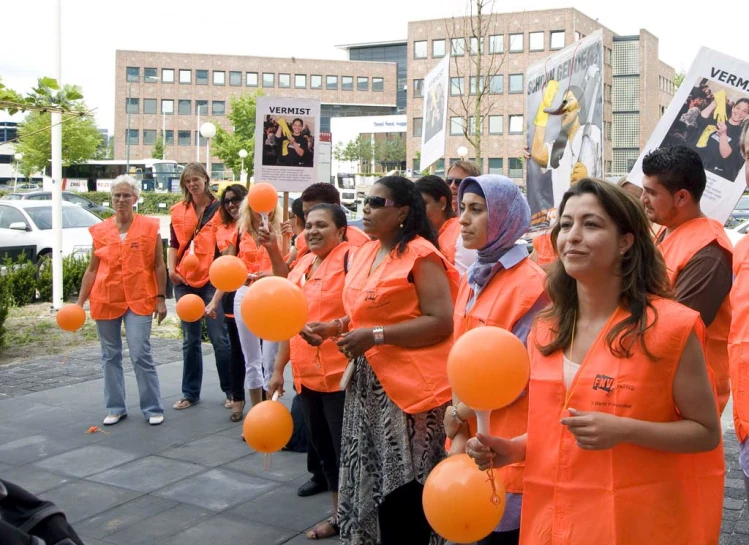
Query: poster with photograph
(435,114)
(564,122)
(707,114)
(286,132)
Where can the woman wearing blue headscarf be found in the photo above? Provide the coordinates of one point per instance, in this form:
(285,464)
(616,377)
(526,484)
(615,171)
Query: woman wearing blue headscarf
(502,288)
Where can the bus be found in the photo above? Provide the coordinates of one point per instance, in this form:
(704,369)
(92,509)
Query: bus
(153,174)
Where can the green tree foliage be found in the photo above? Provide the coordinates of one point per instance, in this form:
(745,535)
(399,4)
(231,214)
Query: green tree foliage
(158,147)
(47,94)
(390,153)
(679,79)
(226,145)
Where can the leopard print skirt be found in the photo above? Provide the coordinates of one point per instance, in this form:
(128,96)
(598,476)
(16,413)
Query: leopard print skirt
(382,449)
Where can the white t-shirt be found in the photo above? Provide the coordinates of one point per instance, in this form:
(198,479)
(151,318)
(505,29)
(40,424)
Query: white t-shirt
(464,257)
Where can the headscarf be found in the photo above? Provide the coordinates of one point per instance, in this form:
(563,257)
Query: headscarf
(509,219)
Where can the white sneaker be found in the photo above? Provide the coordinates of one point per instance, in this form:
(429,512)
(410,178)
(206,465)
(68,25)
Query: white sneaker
(112,419)
(156,419)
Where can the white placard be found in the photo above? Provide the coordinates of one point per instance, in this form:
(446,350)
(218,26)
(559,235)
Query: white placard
(435,114)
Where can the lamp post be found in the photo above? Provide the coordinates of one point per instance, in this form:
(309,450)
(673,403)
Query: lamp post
(208,131)
(242,173)
(462,152)
(18,156)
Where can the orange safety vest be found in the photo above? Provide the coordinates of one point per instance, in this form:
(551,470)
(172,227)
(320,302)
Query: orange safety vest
(320,368)
(184,222)
(505,300)
(226,234)
(355,237)
(625,495)
(254,255)
(415,379)
(677,249)
(448,238)
(544,249)
(738,339)
(126,277)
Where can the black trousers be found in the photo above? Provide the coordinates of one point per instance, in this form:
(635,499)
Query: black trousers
(401,517)
(511,537)
(236,369)
(323,414)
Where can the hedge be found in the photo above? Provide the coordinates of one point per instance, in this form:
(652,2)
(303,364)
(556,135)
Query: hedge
(150,204)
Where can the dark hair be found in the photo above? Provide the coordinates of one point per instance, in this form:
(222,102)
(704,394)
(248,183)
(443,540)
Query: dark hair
(579,95)
(297,119)
(336,212)
(404,193)
(296,209)
(739,101)
(677,168)
(643,273)
(743,139)
(237,189)
(436,187)
(321,192)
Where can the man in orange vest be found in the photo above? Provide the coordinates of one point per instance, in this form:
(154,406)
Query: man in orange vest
(697,252)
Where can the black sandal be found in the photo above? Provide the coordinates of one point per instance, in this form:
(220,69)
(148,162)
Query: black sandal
(314,534)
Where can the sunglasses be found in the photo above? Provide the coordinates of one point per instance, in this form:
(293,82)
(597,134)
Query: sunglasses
(378,202)
(451,181)
(233,200)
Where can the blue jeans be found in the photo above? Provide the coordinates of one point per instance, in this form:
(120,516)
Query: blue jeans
(138,334)
(192,353)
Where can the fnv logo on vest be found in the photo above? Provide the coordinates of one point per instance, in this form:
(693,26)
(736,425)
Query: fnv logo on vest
(603,382)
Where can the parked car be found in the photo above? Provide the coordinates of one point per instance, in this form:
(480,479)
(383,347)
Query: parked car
(736,233)
(28,224)
(69,196)
(740,212)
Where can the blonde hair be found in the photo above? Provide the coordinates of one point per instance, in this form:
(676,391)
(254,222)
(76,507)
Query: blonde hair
(245,219)
(199,169)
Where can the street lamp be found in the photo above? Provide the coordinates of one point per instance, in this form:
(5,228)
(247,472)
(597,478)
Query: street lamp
(242,173)
(462,152)
(208,131)
(18,156)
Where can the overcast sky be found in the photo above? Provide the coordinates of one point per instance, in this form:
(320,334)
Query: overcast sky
(93,29)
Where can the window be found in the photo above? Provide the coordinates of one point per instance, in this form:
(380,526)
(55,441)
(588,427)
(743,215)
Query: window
(219,77)
(133,74)
(496,124)
(607,92)
(439,167)
(577,35)
(438,48)
(516,167)
(300,81)
(496,44)
(418,88)
(607,168)
(235,79)
(269,80)
(362,83)
(251,79)
(607,130)
(456,126)
(458,47)
(495,165)
(284,81)
(132,105)
(184,107)
(150,75)
(496,85)
(472,125)
(201,107)
(516,83)
(556,39)
(418,122)
(331,82)
(378,84)
(149,105)
(183,138)
(149,137)
(169,137)
(185,76)
(315,82)
(457,87)
(420,50)
(475,86)
(607,55)
(219,107)
(9,215)
(536,41)
(167,106)
(201,77)
(167,75)
(347,83)
(131,136)
(516,43)
(199,140)
(516,124)
(475,46)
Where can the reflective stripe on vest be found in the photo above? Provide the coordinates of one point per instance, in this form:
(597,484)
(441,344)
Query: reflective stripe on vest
(625,495)
(448,238)
(738,339)
(677,249)
(126,277)
(320,368)
(184,222)
(415,379)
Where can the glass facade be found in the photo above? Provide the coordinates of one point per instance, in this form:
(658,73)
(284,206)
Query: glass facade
(8,131)
(397,53)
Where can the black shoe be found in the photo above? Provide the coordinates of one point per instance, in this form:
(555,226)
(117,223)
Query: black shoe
(310,488)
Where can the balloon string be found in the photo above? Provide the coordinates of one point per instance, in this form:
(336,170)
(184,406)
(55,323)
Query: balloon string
(267,462)
(316,360)
(494,497)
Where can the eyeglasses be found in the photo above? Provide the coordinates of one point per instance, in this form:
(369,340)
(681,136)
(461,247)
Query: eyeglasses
(451,181)
(378,202)
(233,200)
(122,196)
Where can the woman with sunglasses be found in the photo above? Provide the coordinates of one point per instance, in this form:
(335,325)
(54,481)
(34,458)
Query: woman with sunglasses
(397,332)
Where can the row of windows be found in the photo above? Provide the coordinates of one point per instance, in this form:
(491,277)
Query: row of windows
(457,124)
(184,138)
(254,79)
(496,44)
(496,166)
(184,106)
(666,85)
(493,85)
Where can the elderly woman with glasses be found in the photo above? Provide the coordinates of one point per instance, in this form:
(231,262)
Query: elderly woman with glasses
(126,282)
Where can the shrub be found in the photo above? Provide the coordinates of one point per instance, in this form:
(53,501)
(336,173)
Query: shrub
(44,278)
(20,279)
(5,303)
(73,269)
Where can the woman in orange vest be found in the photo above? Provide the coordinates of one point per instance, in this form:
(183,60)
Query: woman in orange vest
(397,332)
(438,203)
(126,282)
(318,365)
(193,230)
(503,288)
(543,250)
(624,440)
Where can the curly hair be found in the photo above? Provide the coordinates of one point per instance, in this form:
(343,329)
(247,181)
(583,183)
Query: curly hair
(404,193)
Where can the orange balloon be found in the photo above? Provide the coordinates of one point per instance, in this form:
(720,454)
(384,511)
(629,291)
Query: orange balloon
(458,502)
(274,309)
(488,368)
(228,273)
(190,308)
(262,198)
(71,317)
(190,263)
(268,427)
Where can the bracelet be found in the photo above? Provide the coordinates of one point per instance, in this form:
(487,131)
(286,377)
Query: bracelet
(379,335)
(456,416)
